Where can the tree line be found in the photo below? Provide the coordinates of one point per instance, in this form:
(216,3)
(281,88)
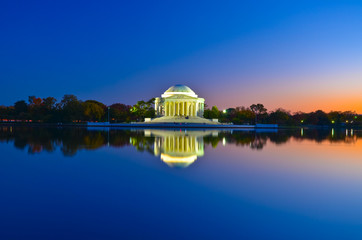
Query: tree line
(70,109)
(257,113)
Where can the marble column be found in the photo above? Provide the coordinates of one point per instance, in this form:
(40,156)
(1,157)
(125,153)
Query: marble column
(178,108)
(192,109)
(174,108)
(188,109)
(182,108)
(196,108)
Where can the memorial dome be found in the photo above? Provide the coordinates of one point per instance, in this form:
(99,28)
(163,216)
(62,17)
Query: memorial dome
(179,89)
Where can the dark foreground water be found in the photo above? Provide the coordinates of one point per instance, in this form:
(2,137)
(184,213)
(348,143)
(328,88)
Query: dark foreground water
(77,183)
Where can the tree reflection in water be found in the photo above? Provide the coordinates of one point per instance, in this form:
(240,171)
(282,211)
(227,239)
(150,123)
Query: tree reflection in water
(177,148)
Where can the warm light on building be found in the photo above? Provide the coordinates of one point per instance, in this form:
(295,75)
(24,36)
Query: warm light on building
(178,148)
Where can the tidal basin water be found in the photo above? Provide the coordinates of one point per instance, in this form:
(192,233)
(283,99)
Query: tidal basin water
(79,183)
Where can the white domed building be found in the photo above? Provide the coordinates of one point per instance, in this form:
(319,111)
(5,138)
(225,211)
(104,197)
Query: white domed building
(180,104)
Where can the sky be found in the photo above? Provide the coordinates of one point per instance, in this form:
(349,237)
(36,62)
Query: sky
(297,55)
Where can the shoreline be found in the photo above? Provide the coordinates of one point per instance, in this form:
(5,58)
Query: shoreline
(173,125)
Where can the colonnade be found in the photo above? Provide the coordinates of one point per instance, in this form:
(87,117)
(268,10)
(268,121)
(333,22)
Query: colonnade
(181,144)
(182,108)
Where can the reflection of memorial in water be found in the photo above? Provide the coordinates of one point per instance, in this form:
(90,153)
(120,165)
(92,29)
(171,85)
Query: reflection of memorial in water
(179,148)
(176,148)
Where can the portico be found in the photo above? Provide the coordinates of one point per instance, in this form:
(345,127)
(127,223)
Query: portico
(179,100)
(182,108)
(179,104)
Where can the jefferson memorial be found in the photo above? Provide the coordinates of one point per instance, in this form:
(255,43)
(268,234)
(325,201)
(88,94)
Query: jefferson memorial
(180,104)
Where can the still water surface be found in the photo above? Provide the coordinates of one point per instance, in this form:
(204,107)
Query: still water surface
(78,183)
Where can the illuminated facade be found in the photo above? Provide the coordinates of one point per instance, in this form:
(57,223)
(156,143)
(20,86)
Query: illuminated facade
(179,148)
(179,101)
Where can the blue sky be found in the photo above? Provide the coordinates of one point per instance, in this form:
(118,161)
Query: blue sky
(301,55)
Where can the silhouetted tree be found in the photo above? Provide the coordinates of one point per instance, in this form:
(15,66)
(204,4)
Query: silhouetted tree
(93,110)
(143,109)
(120,112)
(21,110)
(279,116)
(258,109)
(317,118)
(4,113)
(71,109)
(212,113)
(49,103)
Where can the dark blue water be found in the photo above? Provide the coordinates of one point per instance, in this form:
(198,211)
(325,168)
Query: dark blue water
(78,183)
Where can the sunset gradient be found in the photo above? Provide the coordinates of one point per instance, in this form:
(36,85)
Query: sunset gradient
(300,56)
